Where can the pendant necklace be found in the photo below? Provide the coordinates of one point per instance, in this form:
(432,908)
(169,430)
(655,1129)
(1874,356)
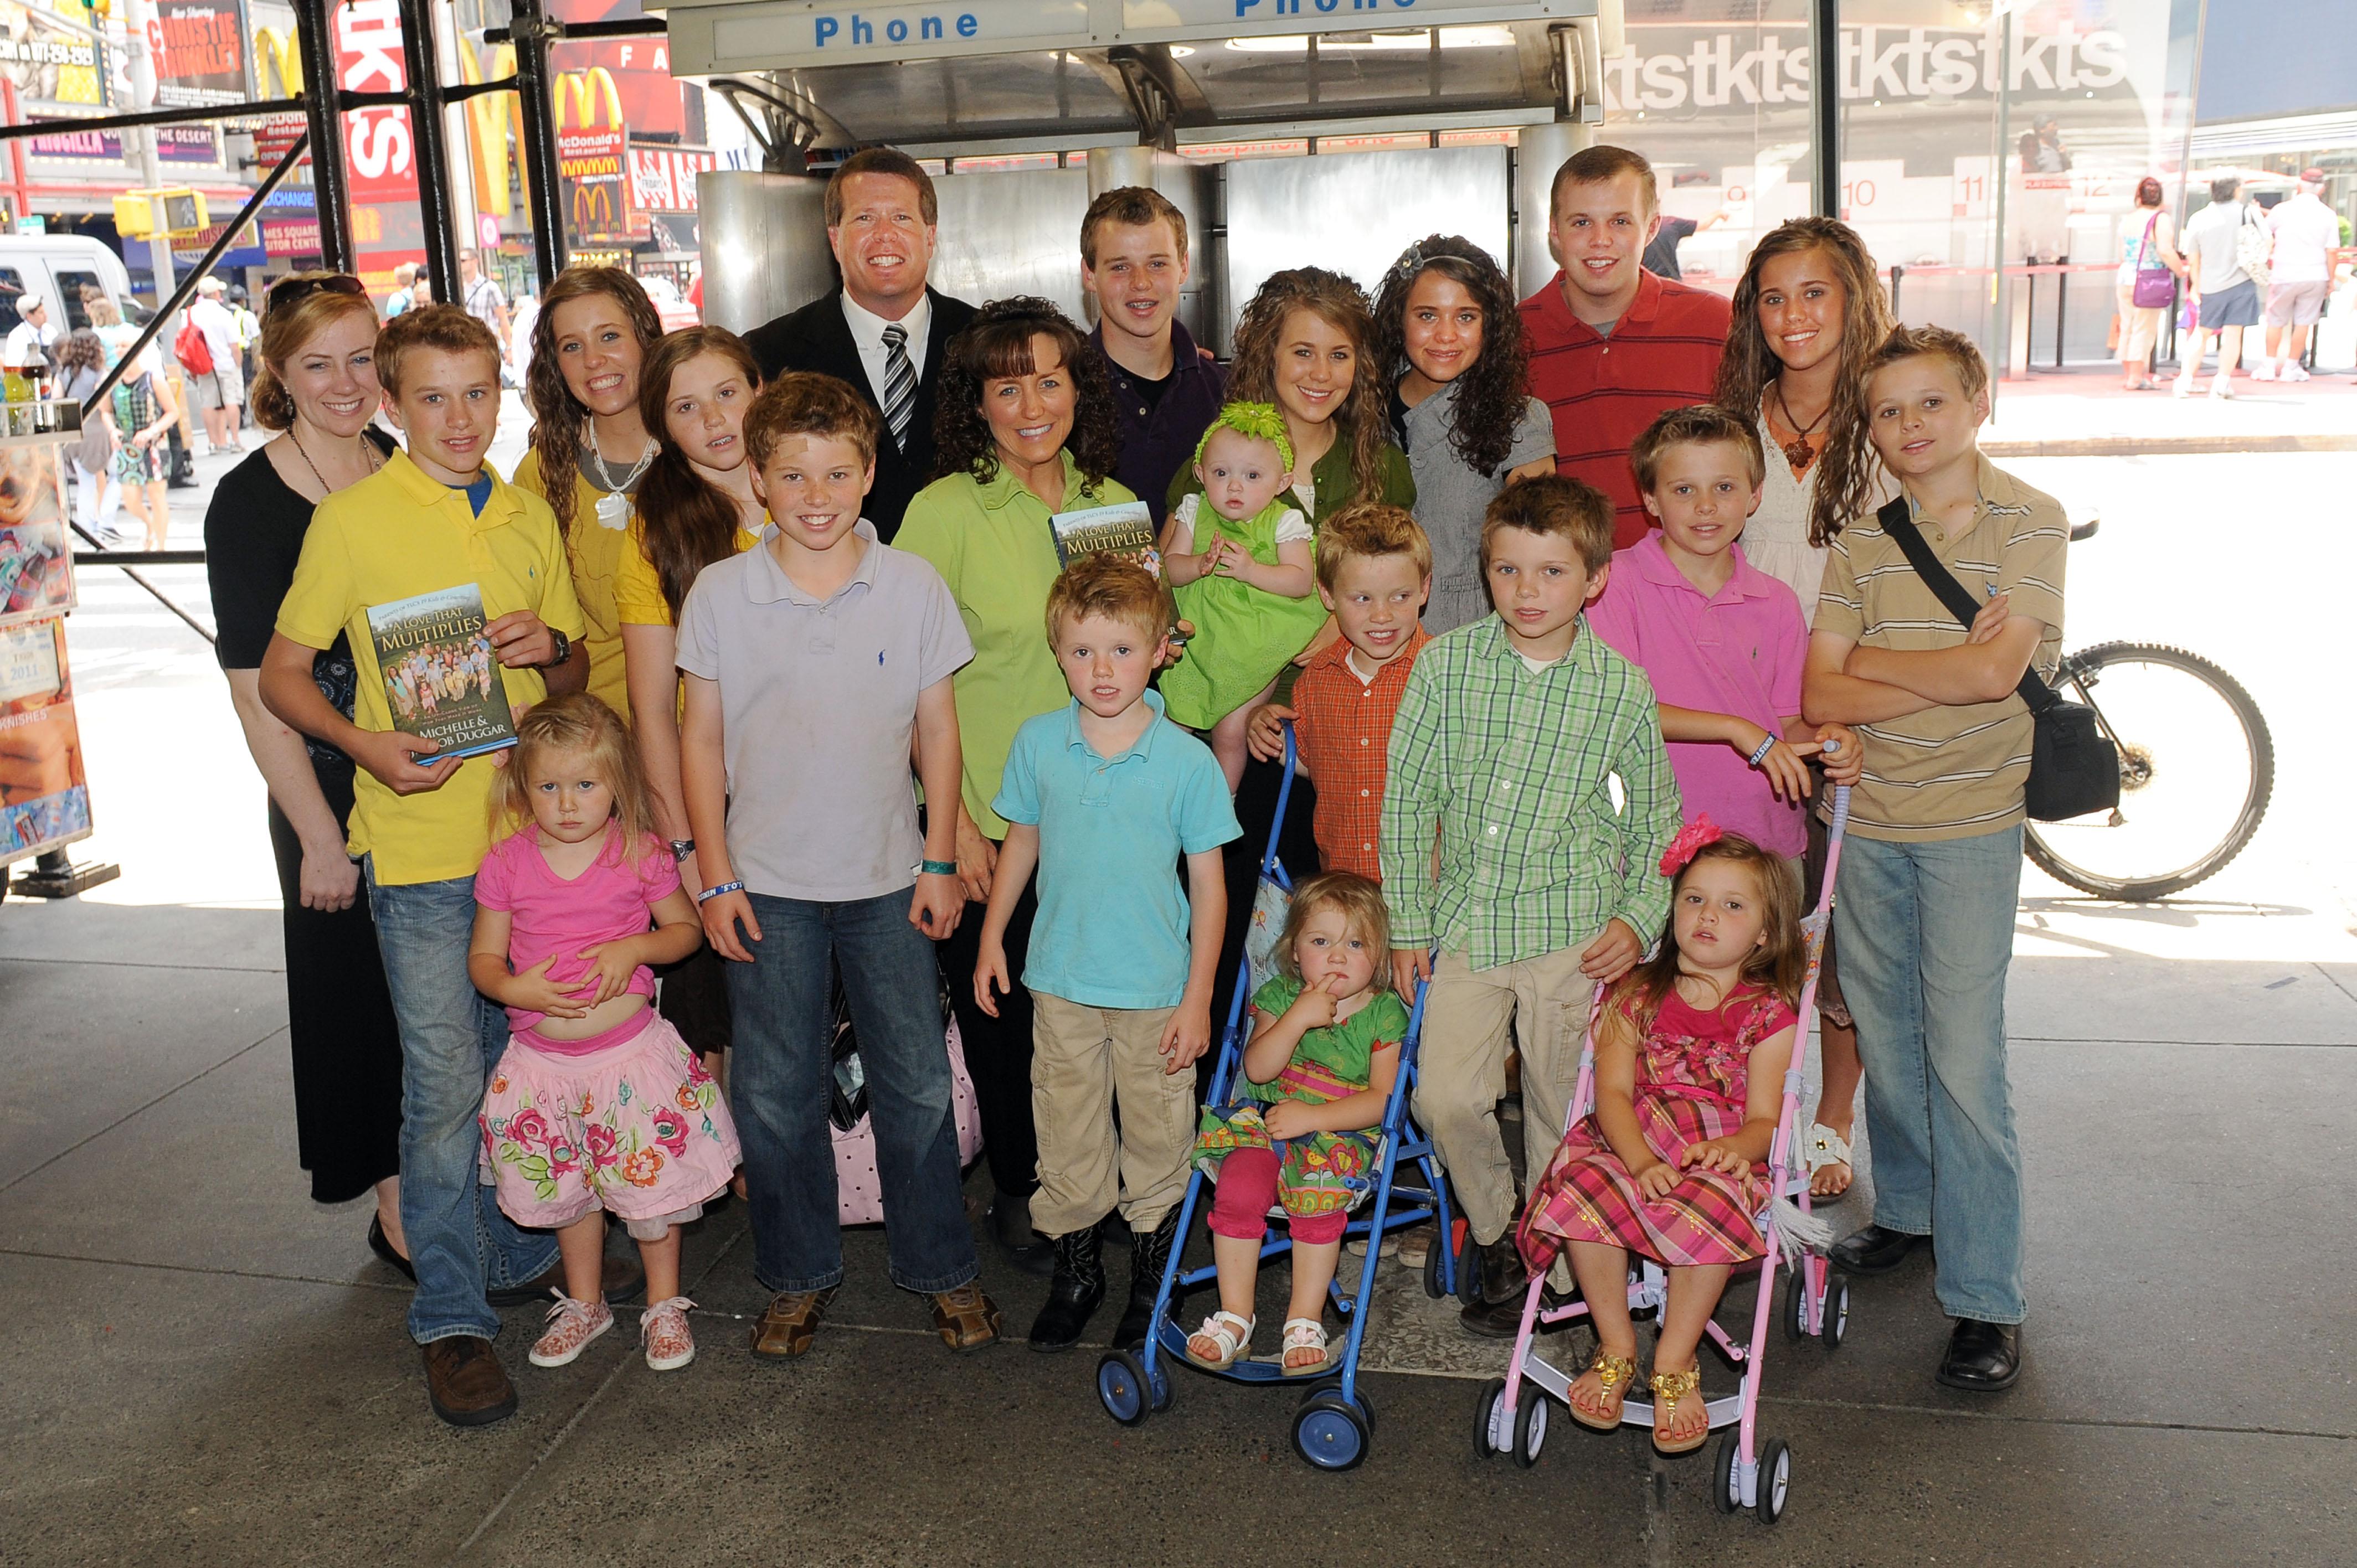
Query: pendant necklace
(368,450)
(1798,452)
(614,501)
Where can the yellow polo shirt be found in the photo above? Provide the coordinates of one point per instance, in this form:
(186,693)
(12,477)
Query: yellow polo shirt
(395,534)
(637,587)
(596,553)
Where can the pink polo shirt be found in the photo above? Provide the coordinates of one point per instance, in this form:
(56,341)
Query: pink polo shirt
(1737,652)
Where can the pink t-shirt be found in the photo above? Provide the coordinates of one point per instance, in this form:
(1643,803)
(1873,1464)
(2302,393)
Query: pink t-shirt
(549,915)
(1739,652)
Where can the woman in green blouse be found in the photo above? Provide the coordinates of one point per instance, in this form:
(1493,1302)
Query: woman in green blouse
(1024,430)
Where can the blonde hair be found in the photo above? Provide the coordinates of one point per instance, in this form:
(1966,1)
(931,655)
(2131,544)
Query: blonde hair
(1845,482)
(1698,425)
(1364,915)
(285,332)
(576,722)
(1114,586)
(1370,529)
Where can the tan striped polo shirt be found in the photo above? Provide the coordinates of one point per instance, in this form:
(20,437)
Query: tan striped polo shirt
(1948,772)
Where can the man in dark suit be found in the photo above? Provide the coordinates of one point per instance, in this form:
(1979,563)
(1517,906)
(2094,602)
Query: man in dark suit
(884,330)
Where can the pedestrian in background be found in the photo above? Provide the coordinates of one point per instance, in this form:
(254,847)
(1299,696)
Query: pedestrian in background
(2149,264)
(2229,296)
(2299,273)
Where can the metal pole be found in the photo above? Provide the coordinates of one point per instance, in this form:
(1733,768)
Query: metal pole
(2001,179)
(1824,108)
(331,186)
(420,63)
(2185,163)
(531,30)
(139,16)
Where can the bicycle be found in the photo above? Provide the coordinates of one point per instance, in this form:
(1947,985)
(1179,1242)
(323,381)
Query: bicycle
(2191,743)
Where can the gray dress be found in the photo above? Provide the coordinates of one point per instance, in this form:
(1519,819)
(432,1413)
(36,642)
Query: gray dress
(1451,497)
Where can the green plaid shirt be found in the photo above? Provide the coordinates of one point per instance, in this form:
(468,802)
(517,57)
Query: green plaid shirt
(1513,769)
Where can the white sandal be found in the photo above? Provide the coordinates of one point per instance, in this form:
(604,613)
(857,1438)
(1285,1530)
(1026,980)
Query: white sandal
(1306,1334)
(1233,1341)
(1827,1147)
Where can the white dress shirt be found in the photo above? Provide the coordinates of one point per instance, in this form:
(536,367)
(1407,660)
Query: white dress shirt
(867,331)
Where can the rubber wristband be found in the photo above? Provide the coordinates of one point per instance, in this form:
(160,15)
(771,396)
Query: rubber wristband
(709,894)
(938,867)
(1761,756)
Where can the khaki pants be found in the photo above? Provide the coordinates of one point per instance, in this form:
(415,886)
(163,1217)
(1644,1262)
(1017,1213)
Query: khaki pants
(1469,1019)
(1082,1060)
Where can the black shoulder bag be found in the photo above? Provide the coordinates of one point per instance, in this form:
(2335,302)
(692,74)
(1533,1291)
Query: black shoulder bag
(2074,768)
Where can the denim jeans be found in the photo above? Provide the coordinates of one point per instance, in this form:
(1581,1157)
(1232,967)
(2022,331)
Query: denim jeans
(1926,934)
(451,1038)
(780,1064)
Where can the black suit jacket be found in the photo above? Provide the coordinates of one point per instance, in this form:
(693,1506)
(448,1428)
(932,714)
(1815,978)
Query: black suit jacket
(817,338)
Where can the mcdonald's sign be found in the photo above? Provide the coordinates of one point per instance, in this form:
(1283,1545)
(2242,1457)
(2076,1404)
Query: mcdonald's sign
(277,73)
(592,158)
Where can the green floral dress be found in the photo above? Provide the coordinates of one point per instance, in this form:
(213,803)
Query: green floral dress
(1326,1172)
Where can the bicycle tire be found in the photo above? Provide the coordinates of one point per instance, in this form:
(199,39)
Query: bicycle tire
(2145,889)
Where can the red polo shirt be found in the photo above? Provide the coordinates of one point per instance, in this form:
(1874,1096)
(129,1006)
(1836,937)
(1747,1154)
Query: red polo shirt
(1663,354)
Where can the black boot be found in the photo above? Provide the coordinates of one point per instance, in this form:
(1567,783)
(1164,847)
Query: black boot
(1010,1227)
(1149,1255)
(1504,1283)
(1078,1286)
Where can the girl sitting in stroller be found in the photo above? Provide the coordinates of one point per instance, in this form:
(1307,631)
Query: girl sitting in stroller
(1690,1049)
(1316,1074)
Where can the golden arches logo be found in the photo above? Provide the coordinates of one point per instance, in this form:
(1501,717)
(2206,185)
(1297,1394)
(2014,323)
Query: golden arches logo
(275,56)
(491,118)
(589,91)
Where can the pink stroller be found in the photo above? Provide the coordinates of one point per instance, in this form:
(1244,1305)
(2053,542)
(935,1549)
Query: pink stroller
(1511,1417)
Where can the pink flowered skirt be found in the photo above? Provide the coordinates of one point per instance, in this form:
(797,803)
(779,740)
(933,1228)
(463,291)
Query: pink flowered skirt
(1587,1195)
(637,1129)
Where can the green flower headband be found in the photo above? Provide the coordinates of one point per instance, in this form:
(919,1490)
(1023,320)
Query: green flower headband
(1256,421)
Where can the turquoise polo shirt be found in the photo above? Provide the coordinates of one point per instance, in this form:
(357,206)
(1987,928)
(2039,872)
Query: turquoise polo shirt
(1112,925)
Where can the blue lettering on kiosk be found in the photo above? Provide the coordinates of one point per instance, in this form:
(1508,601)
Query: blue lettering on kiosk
(1245,8)
(826,29)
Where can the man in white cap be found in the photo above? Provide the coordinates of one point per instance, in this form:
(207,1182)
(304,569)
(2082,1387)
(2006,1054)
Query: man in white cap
(2300,272)
(27,352)
(221,390)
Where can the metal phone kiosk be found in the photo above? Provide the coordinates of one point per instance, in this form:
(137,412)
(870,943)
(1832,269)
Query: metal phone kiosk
(1289,132)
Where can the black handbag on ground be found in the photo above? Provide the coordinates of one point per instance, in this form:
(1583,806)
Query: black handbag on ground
(2074,768)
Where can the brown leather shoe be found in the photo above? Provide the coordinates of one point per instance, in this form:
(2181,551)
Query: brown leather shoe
(466,1383)
(624,1280)
(788,1324)
(965,1318)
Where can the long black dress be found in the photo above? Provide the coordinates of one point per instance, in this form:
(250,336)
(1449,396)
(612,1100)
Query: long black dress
(346,1048)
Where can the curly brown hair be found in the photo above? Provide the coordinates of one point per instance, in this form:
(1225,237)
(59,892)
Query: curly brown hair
(1750,362)
(1489,393)
(1341,305)
(995,344)
(557,416)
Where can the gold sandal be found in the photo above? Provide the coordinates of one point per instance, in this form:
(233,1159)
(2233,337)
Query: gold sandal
(1669,1390)
(1613,1375)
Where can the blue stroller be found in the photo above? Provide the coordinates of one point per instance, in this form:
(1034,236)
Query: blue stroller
(1335,1421)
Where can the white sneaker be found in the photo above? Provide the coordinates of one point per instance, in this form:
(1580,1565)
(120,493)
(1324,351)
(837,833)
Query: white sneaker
(572,1324)
(2181,387)
(2292,372)
(2222,386)
(2264,371)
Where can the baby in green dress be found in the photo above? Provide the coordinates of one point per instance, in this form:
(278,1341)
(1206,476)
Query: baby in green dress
(1299,1127)
(1238,556)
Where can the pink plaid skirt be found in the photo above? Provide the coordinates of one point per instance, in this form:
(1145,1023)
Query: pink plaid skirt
(1587,1195)
(637,1129)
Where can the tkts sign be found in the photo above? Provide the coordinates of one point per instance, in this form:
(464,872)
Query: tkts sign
(1671,68)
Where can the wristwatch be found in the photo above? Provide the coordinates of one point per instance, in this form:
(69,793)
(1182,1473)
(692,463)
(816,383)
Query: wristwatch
(681,849)
(564,646)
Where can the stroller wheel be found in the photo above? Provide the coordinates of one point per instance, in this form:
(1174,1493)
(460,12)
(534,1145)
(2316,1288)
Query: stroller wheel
(1329,1433)
(1361,1398)
(1727,1487)
(1835,1322)
(1122,1386)
(1775,1479)
(1432,1281)
(1796,1305)
(1469,1262)
(1158,1384)
(1490,1403)
(1530,1429)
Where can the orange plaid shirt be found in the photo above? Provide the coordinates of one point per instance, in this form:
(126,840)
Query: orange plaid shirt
(1342,727)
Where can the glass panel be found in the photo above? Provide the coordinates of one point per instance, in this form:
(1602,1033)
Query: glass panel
(12,288)
(70,286)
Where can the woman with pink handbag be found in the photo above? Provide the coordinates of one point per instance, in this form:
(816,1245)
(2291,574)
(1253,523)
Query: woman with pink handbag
(2149,268)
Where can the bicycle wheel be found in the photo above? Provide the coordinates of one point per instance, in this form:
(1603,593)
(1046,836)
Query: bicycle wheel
(2197,769)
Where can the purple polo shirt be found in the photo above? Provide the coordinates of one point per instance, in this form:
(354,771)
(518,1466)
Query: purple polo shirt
(1738,651)
(1158,439)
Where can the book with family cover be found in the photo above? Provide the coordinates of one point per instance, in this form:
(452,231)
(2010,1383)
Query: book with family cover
(1127,528)
(441,678)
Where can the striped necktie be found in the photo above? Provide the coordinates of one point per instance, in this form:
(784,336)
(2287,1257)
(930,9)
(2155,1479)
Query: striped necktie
(899,384)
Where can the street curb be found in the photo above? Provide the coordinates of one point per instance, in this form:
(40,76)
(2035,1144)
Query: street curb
(2168,446)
